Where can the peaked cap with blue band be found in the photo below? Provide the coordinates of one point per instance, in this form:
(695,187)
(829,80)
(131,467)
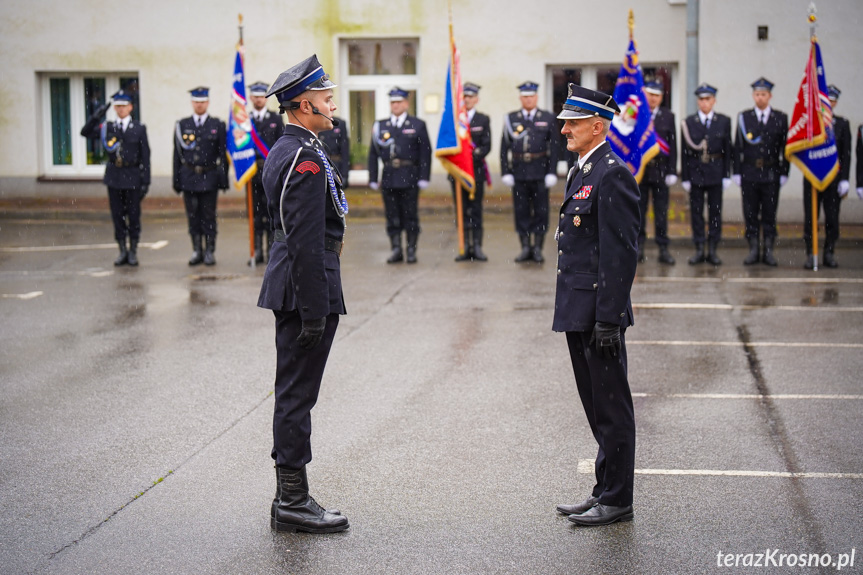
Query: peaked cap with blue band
(200,94)
(585,103)
(121,98)
(397,94)
(258,89)
(705,90)
(307,75)
(654,87)
(470,89)
(833,92)
(762,83)
(528,88)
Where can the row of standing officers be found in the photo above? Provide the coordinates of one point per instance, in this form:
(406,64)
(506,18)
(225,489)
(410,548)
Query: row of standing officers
(711,159)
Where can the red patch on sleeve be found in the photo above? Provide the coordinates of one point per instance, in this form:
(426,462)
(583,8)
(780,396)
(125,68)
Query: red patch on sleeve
(308,166)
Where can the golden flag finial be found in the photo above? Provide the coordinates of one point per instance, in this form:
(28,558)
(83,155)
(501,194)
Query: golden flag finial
(631,22)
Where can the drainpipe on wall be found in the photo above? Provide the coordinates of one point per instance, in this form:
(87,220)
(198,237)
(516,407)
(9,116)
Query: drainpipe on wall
(691,55)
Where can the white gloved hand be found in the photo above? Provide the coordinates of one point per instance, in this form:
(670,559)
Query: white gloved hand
(423,184)
(550,180)
(373,185)
(686,185)
(844,186)
(860,193)
(736,179)
(508,180)
(670,179)
(783,180)
(725,183)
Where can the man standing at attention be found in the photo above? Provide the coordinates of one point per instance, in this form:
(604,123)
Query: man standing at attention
(402,144)
(302,284)
(760,169)
(528,162)
(597,237)
(200,171)
(706,151)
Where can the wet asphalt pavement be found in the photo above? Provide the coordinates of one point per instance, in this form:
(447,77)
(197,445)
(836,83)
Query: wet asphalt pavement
(136,406)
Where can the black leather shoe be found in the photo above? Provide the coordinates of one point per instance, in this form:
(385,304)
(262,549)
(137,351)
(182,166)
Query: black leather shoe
(578,508)
(698,256)
(601,514)
(809,264)
(829,260)
(665,256)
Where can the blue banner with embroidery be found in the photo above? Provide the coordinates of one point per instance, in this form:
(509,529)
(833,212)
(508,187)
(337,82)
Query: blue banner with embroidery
(631,134)
(240,144)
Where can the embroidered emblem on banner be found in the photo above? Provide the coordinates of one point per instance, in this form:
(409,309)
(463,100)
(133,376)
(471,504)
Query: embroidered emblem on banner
(576,220)
(583,193)
(308,166)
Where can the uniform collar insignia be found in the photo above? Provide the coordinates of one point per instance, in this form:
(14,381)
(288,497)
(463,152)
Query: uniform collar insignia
(587,167)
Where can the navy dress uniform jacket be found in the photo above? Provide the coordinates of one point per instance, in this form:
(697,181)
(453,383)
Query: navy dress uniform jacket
(405,153)
(480,134)
(203,168)
(528,150)
(301,275)
(128,167)
(662,164)
(842,129)
(269,129)
(706,168)
(597,238)
(338,143)
(762,160)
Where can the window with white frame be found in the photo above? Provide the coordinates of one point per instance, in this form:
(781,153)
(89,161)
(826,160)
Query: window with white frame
(68,99)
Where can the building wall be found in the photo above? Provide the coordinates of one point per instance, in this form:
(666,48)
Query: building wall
(175,46)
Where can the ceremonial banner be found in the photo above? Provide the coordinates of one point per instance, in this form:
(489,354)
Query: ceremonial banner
(454,146)
(241,129)
(631,135)
(811,143)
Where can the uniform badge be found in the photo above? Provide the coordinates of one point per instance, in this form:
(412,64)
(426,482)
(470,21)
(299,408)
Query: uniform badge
(519,129)
(112,141)
(586,169)
(748,135)
(191,137)
(386,136)
(308,166)
(576,221)
(583,193)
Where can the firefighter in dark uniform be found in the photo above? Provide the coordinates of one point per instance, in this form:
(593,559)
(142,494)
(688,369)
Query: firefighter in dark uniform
(127,173)
(200,171)
(268,126)
(760,169)
(597,240)
(402,144)
(659,174)
(706,155)
(338,142)
(480,134)
(833,195)
(302,284)
(528,164)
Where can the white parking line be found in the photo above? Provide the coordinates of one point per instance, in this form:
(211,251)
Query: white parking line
(820,344)
(28,295)
(724,306)
(152,245)
(747,280)
(586,466)
(748,395)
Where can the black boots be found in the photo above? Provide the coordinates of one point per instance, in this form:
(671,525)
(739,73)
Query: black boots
(396,255)
(412,248)
(526,251)
(753,256)
(296,510)
(665,256)
(132,258)
(698,256)
(477,252)
(209,258)
(472,247)
(123,258)
(197,252)
(712,258)
(539,239)
(768,257)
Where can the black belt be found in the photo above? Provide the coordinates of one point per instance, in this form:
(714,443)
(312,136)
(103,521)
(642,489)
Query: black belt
(529,157)
(705,158)
(330,244)
(201,169)
(760,163)
(398,163)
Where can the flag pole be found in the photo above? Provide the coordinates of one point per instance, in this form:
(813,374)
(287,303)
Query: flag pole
(459,216)
(813,191)
(249,199)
